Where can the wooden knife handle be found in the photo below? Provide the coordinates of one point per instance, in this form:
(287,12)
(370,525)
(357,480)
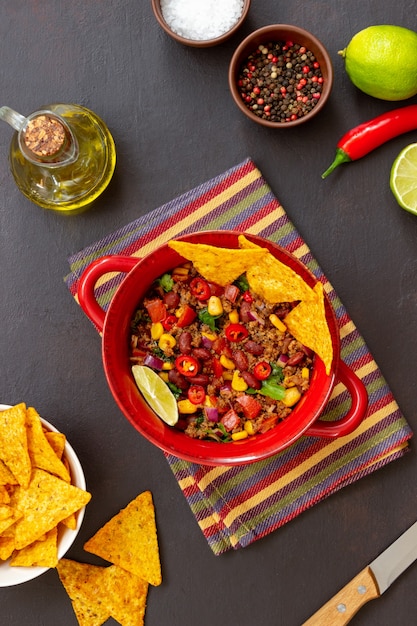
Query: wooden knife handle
(347,602)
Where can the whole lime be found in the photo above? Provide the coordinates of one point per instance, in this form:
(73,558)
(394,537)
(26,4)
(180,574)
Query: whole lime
(381,61)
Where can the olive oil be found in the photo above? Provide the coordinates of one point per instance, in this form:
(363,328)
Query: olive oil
(75,182)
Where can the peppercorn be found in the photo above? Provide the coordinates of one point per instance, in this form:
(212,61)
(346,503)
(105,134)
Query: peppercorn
(280,81)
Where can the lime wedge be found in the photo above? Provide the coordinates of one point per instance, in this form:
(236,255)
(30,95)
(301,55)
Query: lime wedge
(156,393)
(403,179)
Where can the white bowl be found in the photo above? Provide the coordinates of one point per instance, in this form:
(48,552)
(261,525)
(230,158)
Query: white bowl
(10,576)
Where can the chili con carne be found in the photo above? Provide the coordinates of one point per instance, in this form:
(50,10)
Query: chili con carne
(361,140)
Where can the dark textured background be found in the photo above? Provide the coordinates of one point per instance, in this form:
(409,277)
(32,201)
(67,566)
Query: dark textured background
(175,126)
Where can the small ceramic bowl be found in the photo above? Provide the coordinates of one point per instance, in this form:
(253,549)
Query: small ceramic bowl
(199,43)
(273,34)
(10,576)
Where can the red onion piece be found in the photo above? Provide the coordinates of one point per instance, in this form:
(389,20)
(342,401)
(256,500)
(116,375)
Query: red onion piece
(282,361)
(153,361)
(254,317)
(212,413)
(206,342)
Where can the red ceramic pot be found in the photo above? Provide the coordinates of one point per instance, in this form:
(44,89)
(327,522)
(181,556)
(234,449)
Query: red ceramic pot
(115,328)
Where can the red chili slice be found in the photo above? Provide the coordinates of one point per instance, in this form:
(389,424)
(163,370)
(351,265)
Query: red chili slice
(236,332)
(247,296)
(217,368)
(196,394)
(187,316)
(200,289)
(187,365)
(169,322)
(262,370)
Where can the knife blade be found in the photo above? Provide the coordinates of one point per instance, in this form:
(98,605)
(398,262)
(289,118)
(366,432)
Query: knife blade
(370,583)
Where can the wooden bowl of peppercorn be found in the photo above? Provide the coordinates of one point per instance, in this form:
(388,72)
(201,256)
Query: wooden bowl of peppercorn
(197,25)
(280,76)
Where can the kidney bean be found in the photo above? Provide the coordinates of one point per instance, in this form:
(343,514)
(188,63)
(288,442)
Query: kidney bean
(184,342)
(250,380)
(200,379)
(240,360)
(171,299)
(254,348)
(178,379)
(203,354)
(296,359)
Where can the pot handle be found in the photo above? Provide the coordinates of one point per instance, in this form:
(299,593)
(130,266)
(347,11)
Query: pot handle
(89,278)
(355,415)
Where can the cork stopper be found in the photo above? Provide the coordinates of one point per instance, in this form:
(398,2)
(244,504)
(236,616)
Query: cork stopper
(44,136)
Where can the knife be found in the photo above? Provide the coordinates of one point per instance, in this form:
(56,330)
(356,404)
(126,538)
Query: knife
(370,583)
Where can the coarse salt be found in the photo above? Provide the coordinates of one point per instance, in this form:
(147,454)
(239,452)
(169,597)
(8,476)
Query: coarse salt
(201,19)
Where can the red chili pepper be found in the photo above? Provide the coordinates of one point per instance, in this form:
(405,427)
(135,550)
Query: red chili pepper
(187,316)
(200,289)
(247,296)
(187,365)
(169,322)
(217,368)
(262,370)
(364,138)
(196,394)
(236,332)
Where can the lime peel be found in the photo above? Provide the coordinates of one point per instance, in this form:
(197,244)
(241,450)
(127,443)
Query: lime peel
(156,393)
(403,178)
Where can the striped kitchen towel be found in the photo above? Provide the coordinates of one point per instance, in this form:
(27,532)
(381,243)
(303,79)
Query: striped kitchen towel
(234,506)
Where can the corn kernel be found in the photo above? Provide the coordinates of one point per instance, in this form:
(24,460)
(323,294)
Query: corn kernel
(181,271)
(214,305)
(168,366)
(248,426)
(209,401)
(305,373)
(242,434)
(234,316)
(210,336)
(275,321)
(227,363)
(164,376)
(291,397)
(288,382)
(227,375)
(156,330)
(187,407)
(166,341)
(238,383)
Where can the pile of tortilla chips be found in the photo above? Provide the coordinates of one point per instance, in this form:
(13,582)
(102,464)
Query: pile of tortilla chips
(129,542)
(273,281)
(37,498)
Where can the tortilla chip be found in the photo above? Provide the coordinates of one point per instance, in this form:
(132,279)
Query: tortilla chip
(6,548)
(129,540)
(6,476)
(274,281)
(47,501)
(4,495)
(84,585)
(5,511)
(218,265)
(56,441)
(40,553)
(125,596)
(5,524)
(13,443)
(40,451)
(307,323)
(70,522)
